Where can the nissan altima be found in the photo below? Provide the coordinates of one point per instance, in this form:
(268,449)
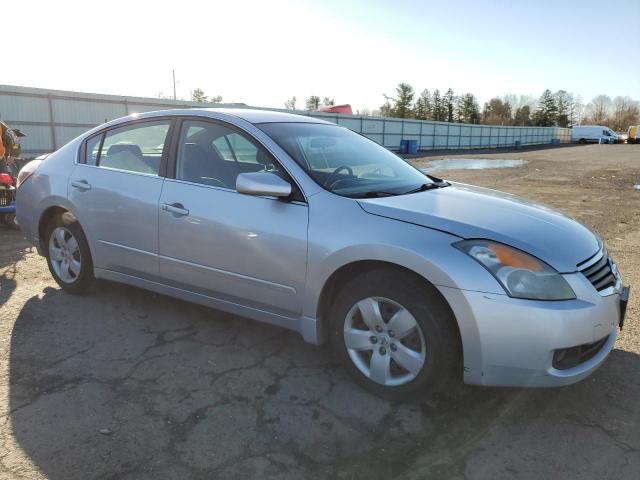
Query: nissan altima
(417,282)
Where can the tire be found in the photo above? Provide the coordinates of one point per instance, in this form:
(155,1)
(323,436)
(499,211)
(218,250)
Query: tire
(68,254)
(582,141)
(434,338)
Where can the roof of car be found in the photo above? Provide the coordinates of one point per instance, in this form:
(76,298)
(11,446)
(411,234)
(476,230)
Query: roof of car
(264,116)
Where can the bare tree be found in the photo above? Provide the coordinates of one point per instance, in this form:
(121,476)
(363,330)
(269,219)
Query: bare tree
(625,113)
(519,101)
(291,103)
(599,109)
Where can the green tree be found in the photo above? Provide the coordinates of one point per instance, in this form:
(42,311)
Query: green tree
(422,108)
(468,109)
(216,99)
(313,102)
(328,102)
(291,103)
(547,111)
(386,110)
(522,116)
(449,100)
(198,96)
(404,101)
(564,100)
(437,107)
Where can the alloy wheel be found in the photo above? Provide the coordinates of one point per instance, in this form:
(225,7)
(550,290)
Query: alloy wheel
(384,341)
(64,254)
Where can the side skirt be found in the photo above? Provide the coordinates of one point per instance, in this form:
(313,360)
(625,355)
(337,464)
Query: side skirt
(304,325)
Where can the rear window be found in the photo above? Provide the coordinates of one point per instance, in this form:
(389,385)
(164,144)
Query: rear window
(133,148)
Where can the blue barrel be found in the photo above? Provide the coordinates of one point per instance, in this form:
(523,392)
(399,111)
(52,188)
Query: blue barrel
(518,145)
(555,141)
(412,147)
(404,146)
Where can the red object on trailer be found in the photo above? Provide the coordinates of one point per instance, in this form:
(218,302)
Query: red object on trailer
(6,179)
(346,108)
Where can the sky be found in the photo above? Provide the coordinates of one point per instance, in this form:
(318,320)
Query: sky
(264,52)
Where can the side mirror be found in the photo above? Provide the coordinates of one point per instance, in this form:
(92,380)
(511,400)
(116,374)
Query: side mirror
(263,184)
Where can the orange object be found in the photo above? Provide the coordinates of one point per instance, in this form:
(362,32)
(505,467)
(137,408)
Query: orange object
(513,258)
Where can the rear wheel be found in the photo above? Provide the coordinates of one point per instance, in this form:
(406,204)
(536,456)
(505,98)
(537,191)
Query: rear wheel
(68,254)
(395,335)
(582,141)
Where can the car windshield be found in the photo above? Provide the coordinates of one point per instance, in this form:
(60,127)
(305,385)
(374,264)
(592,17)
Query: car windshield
(344,162)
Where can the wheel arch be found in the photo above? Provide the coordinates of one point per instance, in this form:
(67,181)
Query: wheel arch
(351,270)
(51,212)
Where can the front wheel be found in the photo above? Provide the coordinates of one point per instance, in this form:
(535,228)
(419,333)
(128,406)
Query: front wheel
(68,254)
(395,335)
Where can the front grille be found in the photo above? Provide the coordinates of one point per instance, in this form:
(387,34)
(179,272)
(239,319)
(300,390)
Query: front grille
(566,358)
(6,197)
(599,270)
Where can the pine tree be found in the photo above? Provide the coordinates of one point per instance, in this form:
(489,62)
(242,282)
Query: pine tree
(468,109)
(547,111)
(404,100)
(563,103)
(423,106)
(436,101)
(449,105)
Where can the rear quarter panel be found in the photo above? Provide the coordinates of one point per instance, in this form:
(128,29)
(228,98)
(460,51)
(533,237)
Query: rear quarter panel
(46,188)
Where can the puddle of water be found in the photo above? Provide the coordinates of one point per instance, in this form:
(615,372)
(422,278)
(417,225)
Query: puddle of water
(470,164)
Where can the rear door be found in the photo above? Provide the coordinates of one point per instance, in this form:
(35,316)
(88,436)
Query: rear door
(115,188)
(243,249)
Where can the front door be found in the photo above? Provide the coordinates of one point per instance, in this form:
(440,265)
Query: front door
(243,249)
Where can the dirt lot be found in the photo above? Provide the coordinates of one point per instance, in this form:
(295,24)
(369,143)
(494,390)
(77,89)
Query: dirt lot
(123,383)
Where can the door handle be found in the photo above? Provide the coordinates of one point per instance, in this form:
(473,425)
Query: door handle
(175,208)
(81,185)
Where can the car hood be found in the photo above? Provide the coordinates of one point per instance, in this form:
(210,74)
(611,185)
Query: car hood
(474,212)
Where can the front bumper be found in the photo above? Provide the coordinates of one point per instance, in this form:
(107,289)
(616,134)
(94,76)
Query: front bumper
(511,342)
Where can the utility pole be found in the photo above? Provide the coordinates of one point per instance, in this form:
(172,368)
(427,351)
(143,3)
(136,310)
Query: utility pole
(174,84)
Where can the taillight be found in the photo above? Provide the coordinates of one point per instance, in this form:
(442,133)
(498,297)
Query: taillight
(6,179)
(27,171)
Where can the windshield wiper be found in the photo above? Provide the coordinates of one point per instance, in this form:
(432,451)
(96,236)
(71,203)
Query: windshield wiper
(373,194)
(428,186)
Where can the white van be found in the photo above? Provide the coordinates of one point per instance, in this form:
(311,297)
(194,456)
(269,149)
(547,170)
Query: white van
(593,134)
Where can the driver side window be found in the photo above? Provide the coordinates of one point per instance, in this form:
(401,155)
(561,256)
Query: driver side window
(212,154)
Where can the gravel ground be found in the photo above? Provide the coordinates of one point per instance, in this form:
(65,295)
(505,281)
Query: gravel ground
(123,383)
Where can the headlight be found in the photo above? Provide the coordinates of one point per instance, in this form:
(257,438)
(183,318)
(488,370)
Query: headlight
(520,274)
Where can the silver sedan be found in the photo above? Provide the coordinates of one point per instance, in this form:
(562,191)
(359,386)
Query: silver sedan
(416,281)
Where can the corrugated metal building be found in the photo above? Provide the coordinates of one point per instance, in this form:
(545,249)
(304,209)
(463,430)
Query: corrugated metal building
(51,118)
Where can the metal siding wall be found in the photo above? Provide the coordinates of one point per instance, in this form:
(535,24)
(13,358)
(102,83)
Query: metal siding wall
(85,112)
(30,109)
(23,109)
(37,141)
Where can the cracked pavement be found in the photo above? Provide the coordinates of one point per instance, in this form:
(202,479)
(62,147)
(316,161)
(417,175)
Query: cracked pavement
(123,383)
